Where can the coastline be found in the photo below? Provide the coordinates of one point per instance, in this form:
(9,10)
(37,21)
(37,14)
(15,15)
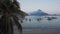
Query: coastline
(41,31)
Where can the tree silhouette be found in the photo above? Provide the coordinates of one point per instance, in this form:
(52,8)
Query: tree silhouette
(10,9)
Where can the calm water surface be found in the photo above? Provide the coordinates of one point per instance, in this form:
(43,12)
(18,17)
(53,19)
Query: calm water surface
(34,22)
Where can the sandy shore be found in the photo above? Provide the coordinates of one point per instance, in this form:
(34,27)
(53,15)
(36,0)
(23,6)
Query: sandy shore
(38,31)
(41,31)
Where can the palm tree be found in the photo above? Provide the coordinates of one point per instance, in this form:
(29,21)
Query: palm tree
(10,9)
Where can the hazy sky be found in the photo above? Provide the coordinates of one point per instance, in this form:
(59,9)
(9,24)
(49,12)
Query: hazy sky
(48,6)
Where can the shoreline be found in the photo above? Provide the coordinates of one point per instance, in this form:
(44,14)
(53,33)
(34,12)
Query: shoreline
(41,31)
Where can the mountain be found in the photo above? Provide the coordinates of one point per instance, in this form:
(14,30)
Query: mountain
(37,13)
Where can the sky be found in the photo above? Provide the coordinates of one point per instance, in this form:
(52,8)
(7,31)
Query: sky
(48,6)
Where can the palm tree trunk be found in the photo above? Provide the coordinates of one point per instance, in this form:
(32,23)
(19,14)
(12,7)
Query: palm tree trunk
(7,28)
(10,29)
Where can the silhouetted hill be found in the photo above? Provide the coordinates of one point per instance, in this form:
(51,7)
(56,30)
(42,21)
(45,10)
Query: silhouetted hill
(37,13)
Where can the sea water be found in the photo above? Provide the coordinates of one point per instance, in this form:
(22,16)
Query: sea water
(41,22)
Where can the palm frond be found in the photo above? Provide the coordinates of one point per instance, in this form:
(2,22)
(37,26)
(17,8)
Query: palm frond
(13,9)
(7,2)
(16,3)
(17,23)
(18,11)
(21,13)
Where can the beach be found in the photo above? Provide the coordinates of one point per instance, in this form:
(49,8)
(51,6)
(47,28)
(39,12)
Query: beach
(41,31)
(38,31)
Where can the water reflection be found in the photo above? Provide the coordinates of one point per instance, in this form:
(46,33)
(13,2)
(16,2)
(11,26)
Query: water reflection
(37,21)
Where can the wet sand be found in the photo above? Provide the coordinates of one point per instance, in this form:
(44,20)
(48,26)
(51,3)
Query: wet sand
(41,31)
(38,31)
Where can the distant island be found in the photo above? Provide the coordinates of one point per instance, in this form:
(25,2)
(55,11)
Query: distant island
(41,13)
(38,13)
